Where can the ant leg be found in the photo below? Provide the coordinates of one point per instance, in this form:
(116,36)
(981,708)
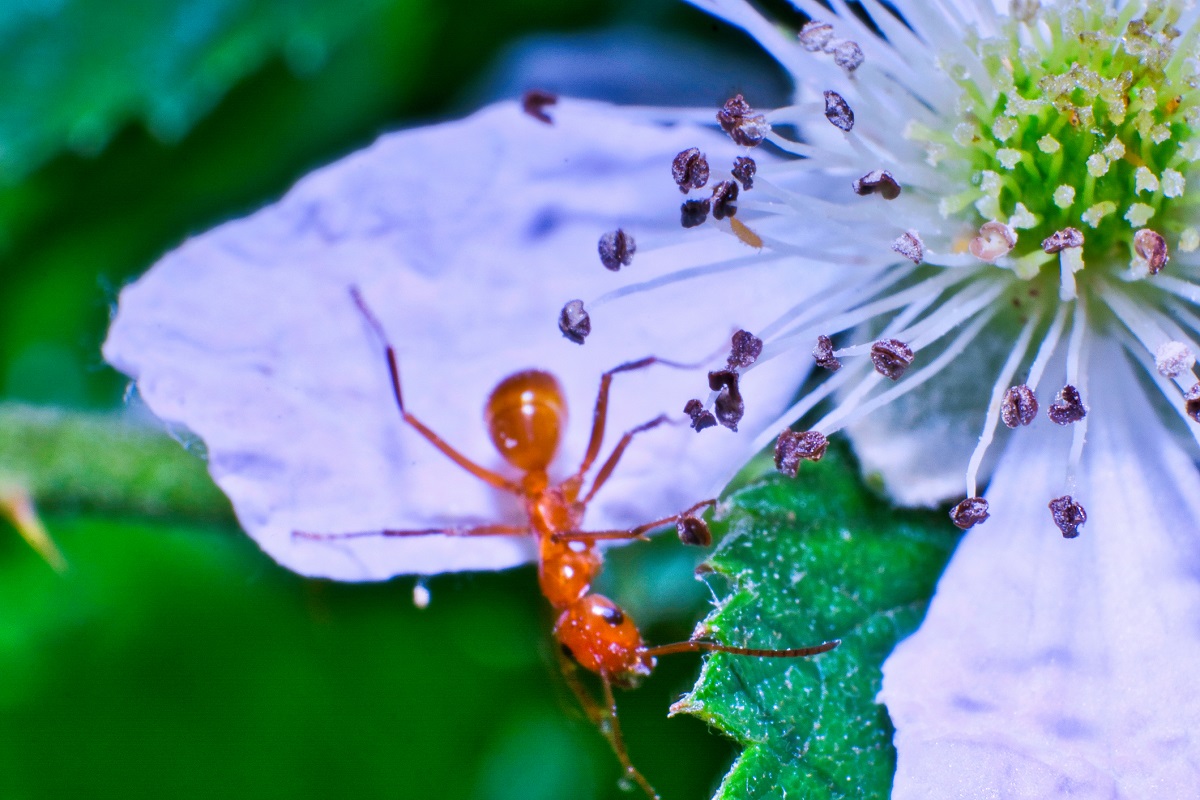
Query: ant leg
(611,464)
(604,717)
(613,733)
(600,415)
(596,713)
(17,506)
(470,466)
(698,646)
(478,530)
(641,530)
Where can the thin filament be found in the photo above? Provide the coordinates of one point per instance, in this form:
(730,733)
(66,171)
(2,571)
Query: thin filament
(1003,381)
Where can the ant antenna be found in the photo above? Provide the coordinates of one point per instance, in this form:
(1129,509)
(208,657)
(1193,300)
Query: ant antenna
(700,646)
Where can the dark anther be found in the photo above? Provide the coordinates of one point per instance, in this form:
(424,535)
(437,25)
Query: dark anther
(909,245)
(693,212)
(744,169)
(1192,403)
(729,405)
(792,447)
(969,512)
(1152,248)
(1068,515)
(569,653)
(837,111)
(891,357)
(823,353)
(745,127)
(535,101)
(610,614)
(616,249)
(730,408)
(690,169)
(693,531)
(722,379)
(574,322)
(848,55)
(878,181)
(1019,407)
(745,350)
(815,35)
(1061,240)
(724,199)
(1068,407)
(701,419)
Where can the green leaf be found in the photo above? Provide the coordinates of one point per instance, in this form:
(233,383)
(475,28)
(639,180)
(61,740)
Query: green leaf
(75,72)
(175,660)
(810,560)
(75,229)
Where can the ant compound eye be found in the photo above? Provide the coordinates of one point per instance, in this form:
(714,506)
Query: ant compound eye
(694,531)
(608,612)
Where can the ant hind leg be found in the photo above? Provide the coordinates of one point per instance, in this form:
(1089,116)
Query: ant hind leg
(484,474)
(610,464)
(600,414)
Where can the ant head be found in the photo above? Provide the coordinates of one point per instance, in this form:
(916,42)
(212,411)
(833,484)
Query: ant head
(525,415)
(602,638)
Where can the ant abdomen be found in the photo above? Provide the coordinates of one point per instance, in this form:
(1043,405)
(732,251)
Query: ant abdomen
(525,415)
(603,639)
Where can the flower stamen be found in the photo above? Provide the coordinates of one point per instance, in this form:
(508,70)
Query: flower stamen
(1000,404)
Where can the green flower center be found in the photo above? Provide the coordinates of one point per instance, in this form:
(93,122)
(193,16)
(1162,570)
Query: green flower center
(1084,120)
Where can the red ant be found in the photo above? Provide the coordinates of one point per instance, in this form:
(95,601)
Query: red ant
(525,415)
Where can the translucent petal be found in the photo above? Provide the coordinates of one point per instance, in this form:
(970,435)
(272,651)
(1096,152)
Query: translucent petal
(466,239)
(1063,668)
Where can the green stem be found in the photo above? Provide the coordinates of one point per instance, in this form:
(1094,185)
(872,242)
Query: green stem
(72,460)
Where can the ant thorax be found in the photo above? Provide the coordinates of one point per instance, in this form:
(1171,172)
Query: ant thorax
(566,567)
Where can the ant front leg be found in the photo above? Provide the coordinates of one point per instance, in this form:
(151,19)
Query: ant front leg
(613,733)
(692,529)
(595,711)
(484,474)
(604,716)
(477,530)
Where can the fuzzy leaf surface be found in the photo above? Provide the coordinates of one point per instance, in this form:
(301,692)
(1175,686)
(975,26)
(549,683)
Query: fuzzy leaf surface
(806,561)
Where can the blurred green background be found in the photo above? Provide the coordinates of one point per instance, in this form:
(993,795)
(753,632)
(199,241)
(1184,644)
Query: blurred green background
(173,659)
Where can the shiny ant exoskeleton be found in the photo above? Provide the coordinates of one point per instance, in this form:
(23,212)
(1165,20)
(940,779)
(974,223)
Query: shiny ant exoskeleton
(525,415)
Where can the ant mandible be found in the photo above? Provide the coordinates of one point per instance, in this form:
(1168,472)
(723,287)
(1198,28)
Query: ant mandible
(525,415)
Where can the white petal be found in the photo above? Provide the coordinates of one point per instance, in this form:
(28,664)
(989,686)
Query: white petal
(466,239)
(1063,668)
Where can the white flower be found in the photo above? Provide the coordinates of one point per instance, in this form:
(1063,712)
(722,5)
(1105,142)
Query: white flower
(463,239)
(1020,253)
(982,217)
